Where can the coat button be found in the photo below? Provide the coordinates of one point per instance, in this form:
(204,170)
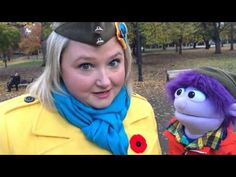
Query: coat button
(29,99)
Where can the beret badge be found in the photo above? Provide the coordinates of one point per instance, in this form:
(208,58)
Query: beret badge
(99,30)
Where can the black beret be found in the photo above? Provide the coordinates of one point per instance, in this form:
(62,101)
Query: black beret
(93,33)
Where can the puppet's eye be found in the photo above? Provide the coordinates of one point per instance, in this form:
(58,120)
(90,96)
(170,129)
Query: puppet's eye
(196,95)
(191,94)
(179,92)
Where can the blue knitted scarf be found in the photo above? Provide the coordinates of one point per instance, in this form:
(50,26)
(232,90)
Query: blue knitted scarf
(104,126)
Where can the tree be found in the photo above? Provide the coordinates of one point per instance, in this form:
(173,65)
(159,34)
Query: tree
(229,33)
(139,55)
(165,33)
(132,37)
(46,30)
(9,37)
(231,36)
(214,30)
(156,33)
(31,42)
(181,32)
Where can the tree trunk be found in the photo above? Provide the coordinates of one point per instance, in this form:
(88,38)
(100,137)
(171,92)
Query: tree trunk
(176,47)
(139,54)
(231,36)
(44,47)
(8,57)
(5,59)
(163,47)
(231,45)
(180,45)
(218,47)
(216,38)
(208,46)
(5,63)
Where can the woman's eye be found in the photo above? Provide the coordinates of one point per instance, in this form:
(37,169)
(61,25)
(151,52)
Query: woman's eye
(196,95)
(85,66)
(114,63)
(179,92)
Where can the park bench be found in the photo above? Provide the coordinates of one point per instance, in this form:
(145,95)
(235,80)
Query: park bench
(24,82)
(171,74)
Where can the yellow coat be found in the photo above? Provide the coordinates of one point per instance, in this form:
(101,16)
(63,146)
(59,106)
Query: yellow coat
(29,128)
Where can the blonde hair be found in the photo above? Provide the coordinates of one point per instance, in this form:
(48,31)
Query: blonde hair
(49,81)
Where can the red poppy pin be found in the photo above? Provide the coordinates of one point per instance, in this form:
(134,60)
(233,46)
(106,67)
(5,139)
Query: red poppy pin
(138,143)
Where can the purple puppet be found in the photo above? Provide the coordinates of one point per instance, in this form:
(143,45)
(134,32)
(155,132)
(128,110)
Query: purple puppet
(205,112)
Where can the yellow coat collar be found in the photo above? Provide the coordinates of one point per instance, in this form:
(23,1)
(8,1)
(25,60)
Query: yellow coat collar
(138,121)
(46,132)
(55,126)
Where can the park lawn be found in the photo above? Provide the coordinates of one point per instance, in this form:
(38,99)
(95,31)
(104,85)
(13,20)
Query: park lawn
(155,65)
(24,63)
(226,63)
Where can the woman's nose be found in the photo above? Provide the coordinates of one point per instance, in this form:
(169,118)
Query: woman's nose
(103,79)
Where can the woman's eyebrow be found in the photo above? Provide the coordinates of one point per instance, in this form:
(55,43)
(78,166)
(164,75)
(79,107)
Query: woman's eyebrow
(116,55)
(84,57)
(88,58)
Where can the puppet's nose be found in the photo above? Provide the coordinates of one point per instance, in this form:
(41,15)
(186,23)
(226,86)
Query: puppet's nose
(180,104)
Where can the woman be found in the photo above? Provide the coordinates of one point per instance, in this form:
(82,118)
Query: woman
(83,101)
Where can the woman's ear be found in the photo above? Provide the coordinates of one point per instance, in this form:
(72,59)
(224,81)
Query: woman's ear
(232,109)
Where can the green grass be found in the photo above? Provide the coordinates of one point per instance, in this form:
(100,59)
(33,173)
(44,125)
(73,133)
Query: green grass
(226,63)
(193,58)
(26,63)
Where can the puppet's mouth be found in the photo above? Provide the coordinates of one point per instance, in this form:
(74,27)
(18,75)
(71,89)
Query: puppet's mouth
(191,116)
(185,114)
(199,122)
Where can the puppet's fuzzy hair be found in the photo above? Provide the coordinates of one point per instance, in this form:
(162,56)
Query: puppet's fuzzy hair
(212,88)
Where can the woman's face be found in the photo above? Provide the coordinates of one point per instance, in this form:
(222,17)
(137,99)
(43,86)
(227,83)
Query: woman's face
(94,75)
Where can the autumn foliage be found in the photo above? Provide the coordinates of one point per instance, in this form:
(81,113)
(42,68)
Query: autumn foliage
(31,40)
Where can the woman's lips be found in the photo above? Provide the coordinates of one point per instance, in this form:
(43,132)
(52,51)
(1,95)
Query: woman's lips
(103,94)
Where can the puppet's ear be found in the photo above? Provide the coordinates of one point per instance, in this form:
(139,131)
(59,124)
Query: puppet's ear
(232,109)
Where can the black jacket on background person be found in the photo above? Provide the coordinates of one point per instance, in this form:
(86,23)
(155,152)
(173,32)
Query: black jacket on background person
(14,80)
